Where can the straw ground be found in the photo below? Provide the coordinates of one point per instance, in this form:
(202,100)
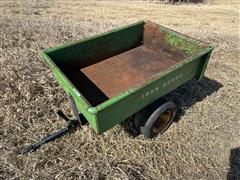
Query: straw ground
(197,146)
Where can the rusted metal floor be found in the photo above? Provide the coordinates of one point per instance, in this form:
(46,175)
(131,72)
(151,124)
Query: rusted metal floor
(129,69)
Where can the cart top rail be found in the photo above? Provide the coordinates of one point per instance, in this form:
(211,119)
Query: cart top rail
(114,63)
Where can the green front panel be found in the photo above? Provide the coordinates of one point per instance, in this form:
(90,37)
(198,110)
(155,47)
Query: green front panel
(70,90)
(92,50)
(113,114)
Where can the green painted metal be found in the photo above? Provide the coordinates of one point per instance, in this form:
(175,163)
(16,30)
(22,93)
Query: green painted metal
(113,111)
(183,42)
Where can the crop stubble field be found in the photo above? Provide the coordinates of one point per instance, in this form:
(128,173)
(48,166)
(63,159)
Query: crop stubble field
(198,146)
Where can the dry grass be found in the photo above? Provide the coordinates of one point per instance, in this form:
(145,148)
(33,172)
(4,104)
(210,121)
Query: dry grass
(196,147)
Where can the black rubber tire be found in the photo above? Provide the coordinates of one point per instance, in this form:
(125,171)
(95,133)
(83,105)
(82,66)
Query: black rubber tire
(147,129)
(142,116)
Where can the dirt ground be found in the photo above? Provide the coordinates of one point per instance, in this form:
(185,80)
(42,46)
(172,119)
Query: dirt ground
(204,143)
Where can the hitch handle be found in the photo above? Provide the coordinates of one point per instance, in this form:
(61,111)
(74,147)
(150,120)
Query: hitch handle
(71,124)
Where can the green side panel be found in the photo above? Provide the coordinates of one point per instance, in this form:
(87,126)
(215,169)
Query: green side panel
(112,113)
(92,50)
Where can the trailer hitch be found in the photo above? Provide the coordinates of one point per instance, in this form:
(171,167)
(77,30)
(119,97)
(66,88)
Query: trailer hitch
(71,124)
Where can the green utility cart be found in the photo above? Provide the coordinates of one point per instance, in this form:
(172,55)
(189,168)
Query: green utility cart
(125,73)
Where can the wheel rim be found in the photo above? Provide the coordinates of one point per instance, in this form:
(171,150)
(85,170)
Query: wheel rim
(163,121)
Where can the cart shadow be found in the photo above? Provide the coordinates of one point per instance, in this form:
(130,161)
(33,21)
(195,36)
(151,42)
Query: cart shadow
(192,92)
(234,171)
(185,97)
(185,1)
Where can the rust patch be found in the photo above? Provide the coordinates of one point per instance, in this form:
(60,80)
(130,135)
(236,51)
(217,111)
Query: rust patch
(129,69)
(155,40)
